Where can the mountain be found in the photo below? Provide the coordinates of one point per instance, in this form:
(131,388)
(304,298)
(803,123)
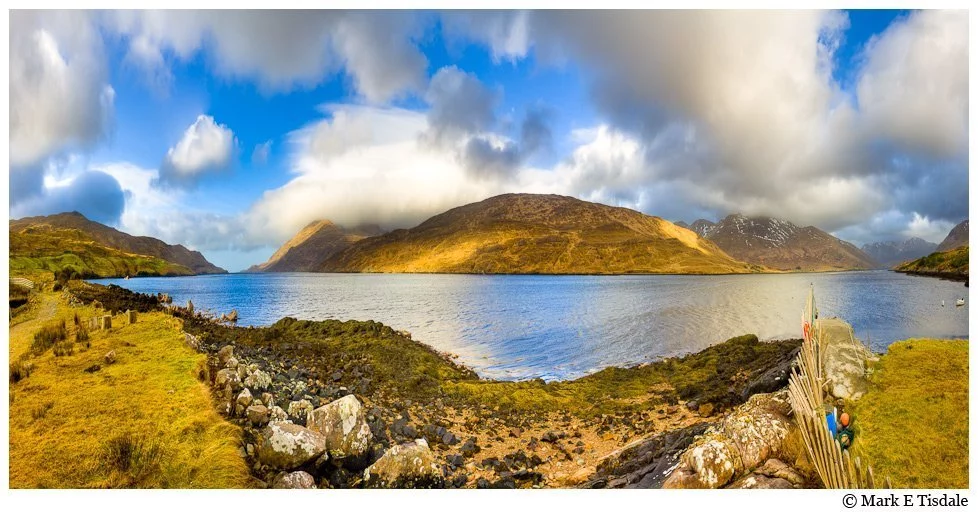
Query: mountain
(314,243)
(703,228)
(538,234)
(49,243)
(893,253)
(956,238)
(952,264)
(782,245)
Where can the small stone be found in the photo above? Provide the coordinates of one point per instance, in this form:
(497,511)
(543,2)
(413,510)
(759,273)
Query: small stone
(469,448)
(258,415)
(294,480)
(705,410)
(244,398)
(110,357)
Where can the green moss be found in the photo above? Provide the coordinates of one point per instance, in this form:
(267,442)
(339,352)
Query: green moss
(404,369)
(912,425)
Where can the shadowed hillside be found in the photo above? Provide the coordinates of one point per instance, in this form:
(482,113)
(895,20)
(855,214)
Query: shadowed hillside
(317,241)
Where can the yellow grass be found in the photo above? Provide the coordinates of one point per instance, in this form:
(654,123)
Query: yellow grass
(912,425)
(65,423)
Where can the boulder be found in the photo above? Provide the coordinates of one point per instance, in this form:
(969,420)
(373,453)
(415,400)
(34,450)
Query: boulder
(409,465)
(226,352)
(773,378)
(647,463)
(743,440)
(344,424)
(258,415)
(757,481)
(294,480)
(844,363)
(773,474)
(288,446)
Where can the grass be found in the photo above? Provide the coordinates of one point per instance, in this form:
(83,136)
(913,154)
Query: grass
(912,425)
(953,262)
(144,421)
(48,336)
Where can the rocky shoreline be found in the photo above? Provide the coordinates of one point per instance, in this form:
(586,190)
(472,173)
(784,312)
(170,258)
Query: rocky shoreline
(357,404)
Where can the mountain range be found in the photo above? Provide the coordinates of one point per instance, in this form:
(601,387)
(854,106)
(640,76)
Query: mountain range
(891,253)
(70,240)
(781,245)
(537,234)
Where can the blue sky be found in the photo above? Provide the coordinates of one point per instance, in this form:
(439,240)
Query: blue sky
(389,120)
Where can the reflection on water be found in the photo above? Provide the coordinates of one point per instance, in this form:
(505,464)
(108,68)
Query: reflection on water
(560,327)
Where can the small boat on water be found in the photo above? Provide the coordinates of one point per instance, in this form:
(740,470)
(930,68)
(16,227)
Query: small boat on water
(960,302)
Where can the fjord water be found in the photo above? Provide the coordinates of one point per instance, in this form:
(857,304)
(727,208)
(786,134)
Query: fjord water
(563,327)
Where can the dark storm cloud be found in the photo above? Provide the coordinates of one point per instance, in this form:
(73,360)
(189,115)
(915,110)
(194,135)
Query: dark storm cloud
(94,194)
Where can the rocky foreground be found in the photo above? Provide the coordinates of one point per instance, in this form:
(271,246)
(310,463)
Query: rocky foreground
(356,404)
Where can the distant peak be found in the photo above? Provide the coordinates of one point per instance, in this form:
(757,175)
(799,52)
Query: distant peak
(74,213)
(319,223)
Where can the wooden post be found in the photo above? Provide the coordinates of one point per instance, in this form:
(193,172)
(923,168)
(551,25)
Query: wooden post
(131,316)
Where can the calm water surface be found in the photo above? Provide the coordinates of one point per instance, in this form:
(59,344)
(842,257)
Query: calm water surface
(562,327)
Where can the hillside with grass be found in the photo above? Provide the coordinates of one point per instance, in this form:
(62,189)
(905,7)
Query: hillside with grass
(78,420)
(40,250)
(913,422)
(75,227)
(69,244)
(952,264)
(538,234)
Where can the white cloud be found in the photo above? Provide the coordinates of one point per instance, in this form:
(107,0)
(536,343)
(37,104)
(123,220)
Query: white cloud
(739,111)
(366,165)
(282,50)
(261,152)
(505,32)
(914,83)
(59,95)
(205,147)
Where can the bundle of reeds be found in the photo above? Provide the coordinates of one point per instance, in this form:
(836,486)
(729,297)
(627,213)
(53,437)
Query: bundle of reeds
(806,391)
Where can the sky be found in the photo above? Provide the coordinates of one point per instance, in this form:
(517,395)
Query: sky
(229,131)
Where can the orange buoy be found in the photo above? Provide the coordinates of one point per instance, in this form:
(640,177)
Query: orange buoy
(844,419)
